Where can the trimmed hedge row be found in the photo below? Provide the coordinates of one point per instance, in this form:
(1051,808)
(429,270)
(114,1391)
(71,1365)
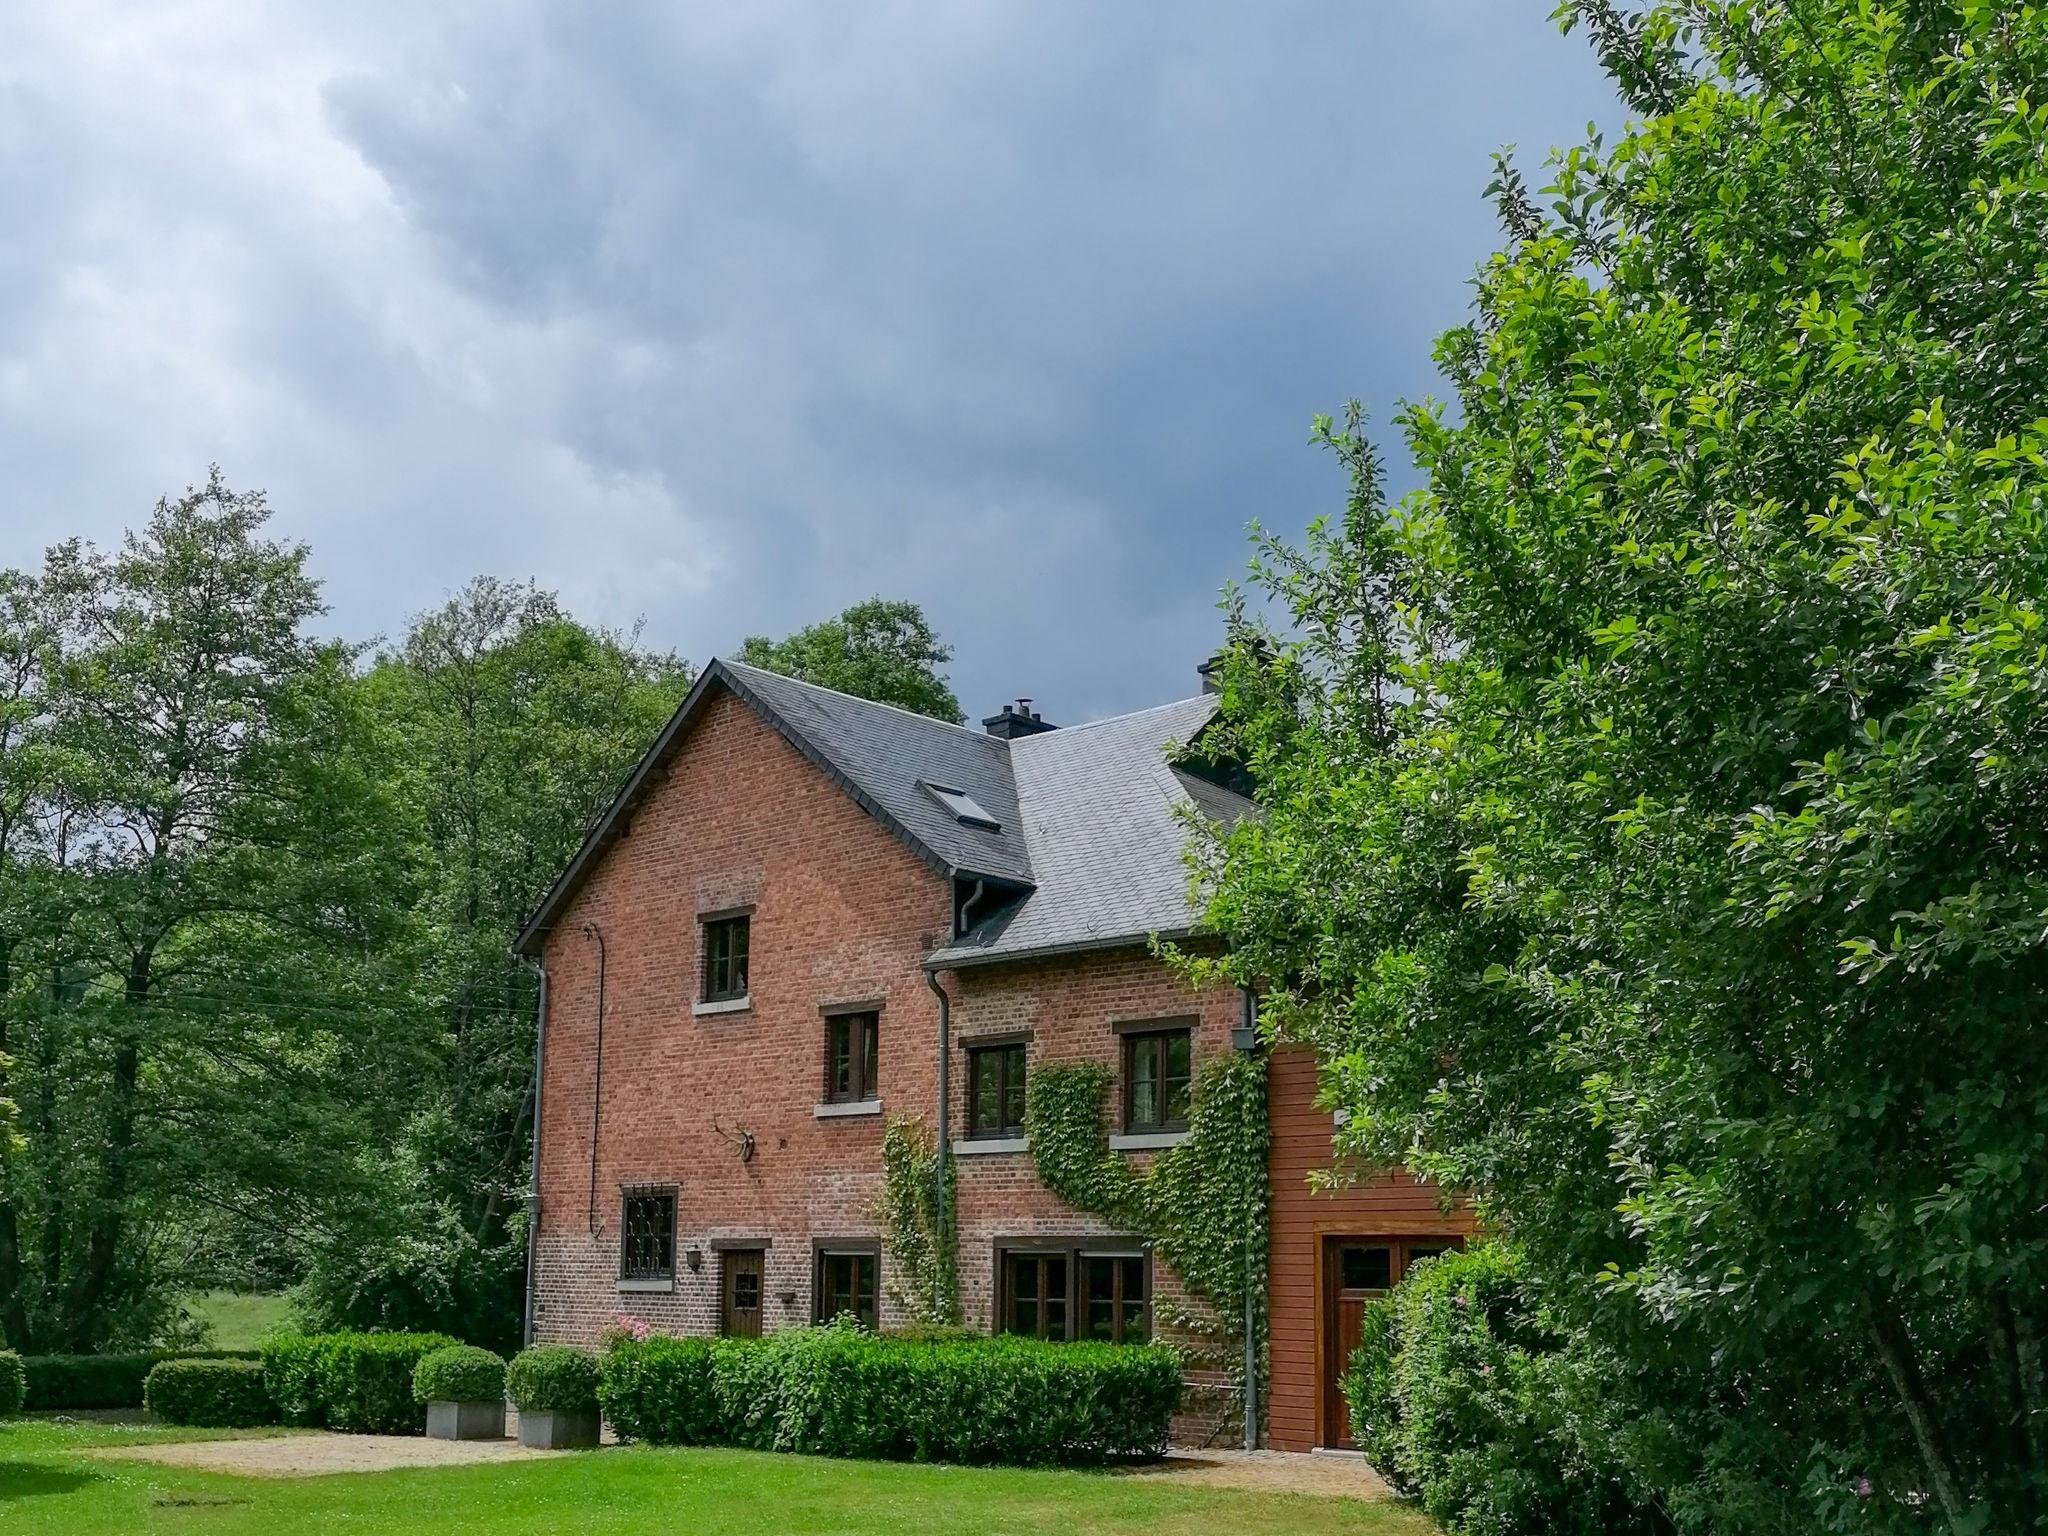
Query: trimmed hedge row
(215,1394)
(13,1383)
(361,1382)
(57,1382)
(836,1391)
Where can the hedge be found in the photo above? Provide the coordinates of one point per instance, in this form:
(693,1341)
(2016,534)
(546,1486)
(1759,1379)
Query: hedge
(13,1383)
(553,1378)
(837,1391)
(460,1373)
(215,1394)
(1458,1396)
(58,1382)
(360,1382)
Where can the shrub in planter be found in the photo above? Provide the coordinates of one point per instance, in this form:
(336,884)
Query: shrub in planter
(1457,1395)
(217,1394)
(58,1382)
(660,1390)
(555,1390)
(13,1383)
(464,1390)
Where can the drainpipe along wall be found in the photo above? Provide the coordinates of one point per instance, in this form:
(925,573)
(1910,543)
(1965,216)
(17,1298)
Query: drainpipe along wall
(540,1046)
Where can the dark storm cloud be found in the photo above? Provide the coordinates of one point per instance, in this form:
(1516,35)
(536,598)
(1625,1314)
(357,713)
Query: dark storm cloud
(726,316)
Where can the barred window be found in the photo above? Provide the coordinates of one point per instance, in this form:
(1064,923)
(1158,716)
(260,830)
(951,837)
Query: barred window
(647,1235)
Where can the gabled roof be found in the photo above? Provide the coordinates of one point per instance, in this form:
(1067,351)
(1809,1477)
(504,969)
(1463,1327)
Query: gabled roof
(1087,847)
(880,755)
(1104,829)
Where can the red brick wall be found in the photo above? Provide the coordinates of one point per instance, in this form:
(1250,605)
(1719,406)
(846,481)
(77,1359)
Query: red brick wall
(1384,1204)
(842,911)
(1070,1007)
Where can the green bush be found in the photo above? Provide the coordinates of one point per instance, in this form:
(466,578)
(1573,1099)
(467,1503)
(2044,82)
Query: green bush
(659,1390)
(553,1378)
(62,1382)
(13,1383)
(360,1382)
(837,1391)
(217,1394)
(1456,1396)
(460,1373)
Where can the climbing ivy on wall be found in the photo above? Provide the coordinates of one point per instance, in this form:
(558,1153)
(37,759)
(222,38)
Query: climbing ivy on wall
(1203,1202)
(915,1213)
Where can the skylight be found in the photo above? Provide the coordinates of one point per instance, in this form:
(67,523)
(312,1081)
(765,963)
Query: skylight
(965,809)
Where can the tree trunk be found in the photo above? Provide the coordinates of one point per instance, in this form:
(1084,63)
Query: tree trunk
(13,1316)
(85,1298)
(1895,1351)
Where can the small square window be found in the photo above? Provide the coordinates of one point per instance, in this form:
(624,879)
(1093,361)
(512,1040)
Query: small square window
(725,959)
(1158,1072)
(852,1057)
(847,1285)
(995,1090)
(647,1235)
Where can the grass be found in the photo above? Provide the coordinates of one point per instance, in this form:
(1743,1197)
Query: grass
(238,1320)
(50,1485)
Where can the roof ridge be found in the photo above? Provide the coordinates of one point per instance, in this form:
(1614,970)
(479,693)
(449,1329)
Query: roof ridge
(1131,714)
(840,693)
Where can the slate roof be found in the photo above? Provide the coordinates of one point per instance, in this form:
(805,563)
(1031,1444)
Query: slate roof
(1087,850)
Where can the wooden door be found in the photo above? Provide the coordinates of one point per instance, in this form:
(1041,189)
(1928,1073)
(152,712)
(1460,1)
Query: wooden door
(1355,1269)
(739,1307)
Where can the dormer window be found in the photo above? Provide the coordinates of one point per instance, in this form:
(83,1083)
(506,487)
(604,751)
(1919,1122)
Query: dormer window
(963,806)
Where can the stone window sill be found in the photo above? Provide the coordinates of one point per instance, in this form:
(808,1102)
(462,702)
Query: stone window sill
(1146,1141)
(647,1285)
(729,1005)
(971,1146)
(840,1111)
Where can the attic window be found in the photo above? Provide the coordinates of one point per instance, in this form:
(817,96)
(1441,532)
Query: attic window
(964,807)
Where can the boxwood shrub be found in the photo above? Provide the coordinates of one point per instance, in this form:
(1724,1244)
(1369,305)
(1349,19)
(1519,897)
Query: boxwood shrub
(217,1394)
(553,1378)
(461,1373)
(13,1383)
(837,1391)
(360,1382)
(59,1382)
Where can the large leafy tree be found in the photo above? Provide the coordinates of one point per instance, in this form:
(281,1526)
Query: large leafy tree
(196,865)
(1657,803)
(880,649)
(507,726)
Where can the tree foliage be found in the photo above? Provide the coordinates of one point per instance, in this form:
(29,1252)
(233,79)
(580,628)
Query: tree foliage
(880,649)
(1654,838)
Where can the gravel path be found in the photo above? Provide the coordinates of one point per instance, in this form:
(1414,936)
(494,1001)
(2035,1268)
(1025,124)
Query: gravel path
(317,1453)
(1329,1477)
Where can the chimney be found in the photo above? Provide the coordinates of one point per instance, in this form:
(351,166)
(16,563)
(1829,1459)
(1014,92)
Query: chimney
(1211,674)
(1018,719)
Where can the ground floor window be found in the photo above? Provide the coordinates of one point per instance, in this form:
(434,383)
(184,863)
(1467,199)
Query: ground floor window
(1080,1290)
(647,1234)
(848,1283)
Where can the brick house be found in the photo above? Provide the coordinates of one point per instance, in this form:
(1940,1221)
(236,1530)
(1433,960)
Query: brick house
(806,912)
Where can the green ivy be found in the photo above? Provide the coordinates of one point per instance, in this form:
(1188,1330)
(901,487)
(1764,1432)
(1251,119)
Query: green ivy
(915,1212)
(1204,1202)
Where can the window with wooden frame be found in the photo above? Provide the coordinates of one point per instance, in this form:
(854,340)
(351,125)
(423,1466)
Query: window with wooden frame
(1074,1291)
(647,1234)
(1158,1076)
(848,1283)
(995,1090)
(725,958)
(852,1057)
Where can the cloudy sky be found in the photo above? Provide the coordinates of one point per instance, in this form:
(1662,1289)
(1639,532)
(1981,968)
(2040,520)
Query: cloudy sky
(724,316)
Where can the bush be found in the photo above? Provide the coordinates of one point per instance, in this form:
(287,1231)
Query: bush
(61,1382)
(1457,1396)
(836,1391)
(13,1383)
(460,1373)
(360,1382)
(659,1390)
(216,1394)
(553,1378)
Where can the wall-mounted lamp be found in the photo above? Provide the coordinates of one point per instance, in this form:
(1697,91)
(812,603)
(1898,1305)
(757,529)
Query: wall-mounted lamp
(696,1258)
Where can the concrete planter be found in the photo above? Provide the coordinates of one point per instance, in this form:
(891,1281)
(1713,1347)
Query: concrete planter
(546,1431)
(466,1421)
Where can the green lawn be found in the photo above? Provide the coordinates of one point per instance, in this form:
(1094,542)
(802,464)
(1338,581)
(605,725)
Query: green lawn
(49,1483)
(239,1321)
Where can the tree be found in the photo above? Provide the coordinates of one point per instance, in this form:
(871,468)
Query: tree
(204,867)
(880,649)
(508,726)
(1654,840)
